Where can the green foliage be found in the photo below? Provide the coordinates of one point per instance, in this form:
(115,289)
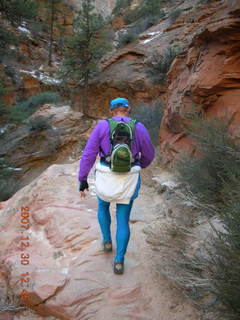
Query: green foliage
(24,109)
(206,174)
(150,8)
(38,124)
(8,184)
(2,90)
(126,38)
(151,117)
(131,16)
(14,11)
(17,10)
(202,2)
(87,46)
(7,39)
(4,168)
(174,14)
(213,177)
(121,4)
(147,9)
(159,64)
(141,18)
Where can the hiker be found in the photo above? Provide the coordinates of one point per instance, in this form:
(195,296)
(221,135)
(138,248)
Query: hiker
(117,179)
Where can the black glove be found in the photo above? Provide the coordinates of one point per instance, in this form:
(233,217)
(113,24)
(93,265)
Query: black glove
(83,185)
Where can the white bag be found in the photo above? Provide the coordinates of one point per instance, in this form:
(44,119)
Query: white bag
(115,187)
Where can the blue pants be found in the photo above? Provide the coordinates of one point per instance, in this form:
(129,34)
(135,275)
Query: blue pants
(123,230)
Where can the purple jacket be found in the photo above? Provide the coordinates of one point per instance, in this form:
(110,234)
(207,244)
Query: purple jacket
(99,143)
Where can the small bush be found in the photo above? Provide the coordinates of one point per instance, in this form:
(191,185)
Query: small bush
(8,187)
(206,174)
(213,179)
(25,109)
(37,100)
(8,183)
(38,124)
(148,9)
(202,2)
(175,14)
(121,4)
(151,8)
(126,38)
(159,65)
(151,117)
(131,16)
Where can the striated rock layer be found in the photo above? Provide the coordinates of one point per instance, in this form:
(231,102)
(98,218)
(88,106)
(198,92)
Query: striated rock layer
(205,79)
(34,150)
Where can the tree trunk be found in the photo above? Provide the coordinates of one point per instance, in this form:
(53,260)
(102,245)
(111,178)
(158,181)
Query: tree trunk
(85,96)
(51,34)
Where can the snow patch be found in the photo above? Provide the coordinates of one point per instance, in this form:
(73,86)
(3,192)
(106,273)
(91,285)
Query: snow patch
(41,76)
(15,169)
(24,30)
(2,130)
(169,184)
(151,36)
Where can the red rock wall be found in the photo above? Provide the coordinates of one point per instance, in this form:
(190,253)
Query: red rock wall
(206,79)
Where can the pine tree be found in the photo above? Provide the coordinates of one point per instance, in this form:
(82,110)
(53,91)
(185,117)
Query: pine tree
(85,48)
(15,11)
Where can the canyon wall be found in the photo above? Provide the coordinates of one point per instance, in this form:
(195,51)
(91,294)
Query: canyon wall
(203,78)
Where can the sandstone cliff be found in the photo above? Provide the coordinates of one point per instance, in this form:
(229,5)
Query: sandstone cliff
(203,77)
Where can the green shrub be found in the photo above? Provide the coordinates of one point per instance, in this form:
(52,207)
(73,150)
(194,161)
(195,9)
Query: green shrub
(37,100)
(7,39)
(18,10)
(25,109)
(126,38)
(38,124)
(151,8)
(121,4)
(213,178)
(151,117)
(159,65)
(148,9)
(174,14)
(206,174)
(131,16)
(8,183)
(202,2)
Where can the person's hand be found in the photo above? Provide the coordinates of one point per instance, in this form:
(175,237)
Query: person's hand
(83,186)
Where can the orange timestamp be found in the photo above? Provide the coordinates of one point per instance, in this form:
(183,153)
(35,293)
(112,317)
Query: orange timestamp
(24,256)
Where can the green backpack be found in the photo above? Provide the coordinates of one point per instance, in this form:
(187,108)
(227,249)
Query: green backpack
(121,137)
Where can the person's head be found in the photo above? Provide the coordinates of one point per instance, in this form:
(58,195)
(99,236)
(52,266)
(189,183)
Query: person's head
(119,107)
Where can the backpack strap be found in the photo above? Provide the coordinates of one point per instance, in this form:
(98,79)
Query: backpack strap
(132,123)
(112,124)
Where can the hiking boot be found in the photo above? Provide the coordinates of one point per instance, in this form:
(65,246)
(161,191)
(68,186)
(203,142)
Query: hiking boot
(107,246)
(118,267)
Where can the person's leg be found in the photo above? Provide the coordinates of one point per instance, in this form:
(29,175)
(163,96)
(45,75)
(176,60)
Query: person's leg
(123,231)
(104,219)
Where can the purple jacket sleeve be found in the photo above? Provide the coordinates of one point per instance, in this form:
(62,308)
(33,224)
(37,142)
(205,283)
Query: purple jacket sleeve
(90,153)
(146,147)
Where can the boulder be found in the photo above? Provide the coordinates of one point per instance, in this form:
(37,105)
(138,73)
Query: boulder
(34,150)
